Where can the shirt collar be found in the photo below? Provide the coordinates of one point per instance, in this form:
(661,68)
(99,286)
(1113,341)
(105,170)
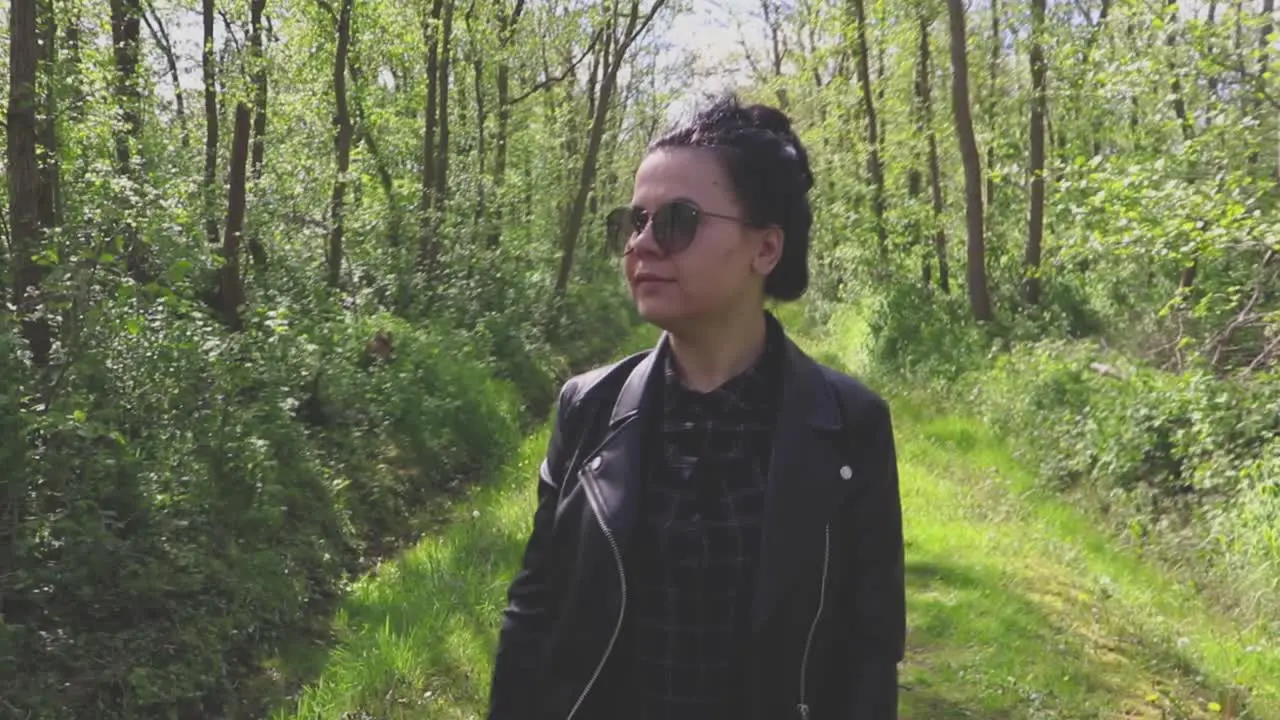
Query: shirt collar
(753,388)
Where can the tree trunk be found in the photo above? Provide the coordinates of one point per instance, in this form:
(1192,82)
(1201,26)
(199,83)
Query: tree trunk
(1175,85)
(617,45)
(482,120)
(230,286)
(72,51)
(426,239)
(480,151)
(1035,215)
(979,296)
(50,203)
(257,250)
(126,30)
(365,134)
(1267,123)
(773,20)
(341,146)
(25,180)
(160,36)
(874,167)
(992,105)
(935,171)
(442,84)
(915,178)
(593,96)
(506,31)
(1095,125)
(1187,278)
(209,70)
(599,61)
(586,177)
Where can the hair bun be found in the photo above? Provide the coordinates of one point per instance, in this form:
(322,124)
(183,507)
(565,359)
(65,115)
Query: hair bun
(771,119)
(775,121)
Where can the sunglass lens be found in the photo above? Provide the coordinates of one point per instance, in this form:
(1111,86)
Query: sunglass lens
(674,226)
(619,228)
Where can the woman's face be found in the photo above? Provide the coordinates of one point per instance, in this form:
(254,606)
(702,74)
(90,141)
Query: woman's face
(722,271)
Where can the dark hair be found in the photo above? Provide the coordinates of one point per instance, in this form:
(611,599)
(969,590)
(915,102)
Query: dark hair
(769,171)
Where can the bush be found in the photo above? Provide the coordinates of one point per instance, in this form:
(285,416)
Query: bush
(192,499)
(593,322)
(915,332)
(1186,463)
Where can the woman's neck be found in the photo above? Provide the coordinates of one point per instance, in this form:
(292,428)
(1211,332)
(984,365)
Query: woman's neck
(712,354)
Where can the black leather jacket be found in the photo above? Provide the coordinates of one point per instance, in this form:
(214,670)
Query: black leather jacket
(829,612)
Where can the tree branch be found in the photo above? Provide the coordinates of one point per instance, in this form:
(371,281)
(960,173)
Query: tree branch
(636,29)
(231,33)
(1266,355)
(326,6)
(549,81)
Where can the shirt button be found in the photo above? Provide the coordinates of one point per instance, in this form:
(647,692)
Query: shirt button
(846,472)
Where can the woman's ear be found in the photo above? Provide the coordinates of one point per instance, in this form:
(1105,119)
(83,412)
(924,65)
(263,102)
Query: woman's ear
(768,249)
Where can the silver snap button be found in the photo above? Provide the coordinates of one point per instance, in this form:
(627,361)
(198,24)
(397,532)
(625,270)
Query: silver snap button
(596,462)
(846,472)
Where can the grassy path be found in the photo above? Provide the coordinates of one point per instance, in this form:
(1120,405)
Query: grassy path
(1020,607)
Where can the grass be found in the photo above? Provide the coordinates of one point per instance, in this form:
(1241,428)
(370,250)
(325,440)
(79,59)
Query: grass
(414,640)
(1020,606)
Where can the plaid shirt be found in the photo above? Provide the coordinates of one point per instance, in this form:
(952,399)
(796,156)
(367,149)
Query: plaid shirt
(699,544)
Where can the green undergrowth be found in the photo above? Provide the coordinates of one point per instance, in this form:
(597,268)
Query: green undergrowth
(414,639)
(1023,605)
(1020,604)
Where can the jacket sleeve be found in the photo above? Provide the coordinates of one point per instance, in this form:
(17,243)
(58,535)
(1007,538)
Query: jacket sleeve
(530,610)
(878,638)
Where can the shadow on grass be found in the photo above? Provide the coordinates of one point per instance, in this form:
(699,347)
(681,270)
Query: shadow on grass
(979,647)
(984,645)
(416,639)
(450,596)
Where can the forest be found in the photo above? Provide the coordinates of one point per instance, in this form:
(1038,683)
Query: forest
(286,282)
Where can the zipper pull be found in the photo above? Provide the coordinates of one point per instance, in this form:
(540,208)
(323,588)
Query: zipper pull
(803,709)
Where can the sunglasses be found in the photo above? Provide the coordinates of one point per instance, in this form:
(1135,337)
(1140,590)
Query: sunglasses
(674,224)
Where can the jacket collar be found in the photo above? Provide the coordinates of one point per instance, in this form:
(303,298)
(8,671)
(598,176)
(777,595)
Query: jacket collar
(804,471)
(806,395)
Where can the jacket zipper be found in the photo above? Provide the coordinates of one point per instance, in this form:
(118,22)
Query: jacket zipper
(617,629)
(803,706)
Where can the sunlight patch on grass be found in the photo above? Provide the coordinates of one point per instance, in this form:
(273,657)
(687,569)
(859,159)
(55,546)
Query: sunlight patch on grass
(415,640)
(1119,634)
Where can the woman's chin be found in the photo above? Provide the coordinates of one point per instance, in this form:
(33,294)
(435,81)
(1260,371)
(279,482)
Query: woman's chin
(657,312)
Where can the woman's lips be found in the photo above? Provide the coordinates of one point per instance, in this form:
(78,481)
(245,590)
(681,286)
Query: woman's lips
(642,278)
(648,285)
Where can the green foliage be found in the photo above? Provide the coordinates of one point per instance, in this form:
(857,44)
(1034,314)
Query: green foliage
(1178,461)
(193,499)
(924,333)
(181,500)
(1158,256)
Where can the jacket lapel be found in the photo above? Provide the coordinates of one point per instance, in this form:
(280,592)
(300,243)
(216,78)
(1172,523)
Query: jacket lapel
(804,468)
(615,469)
(804,480)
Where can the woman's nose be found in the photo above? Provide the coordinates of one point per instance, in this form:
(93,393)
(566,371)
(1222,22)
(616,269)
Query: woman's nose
(643,242)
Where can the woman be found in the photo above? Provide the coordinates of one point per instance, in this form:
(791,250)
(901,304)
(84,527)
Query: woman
(718,531)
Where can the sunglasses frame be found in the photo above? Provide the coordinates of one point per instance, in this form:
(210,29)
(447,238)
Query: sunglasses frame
(671,240)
